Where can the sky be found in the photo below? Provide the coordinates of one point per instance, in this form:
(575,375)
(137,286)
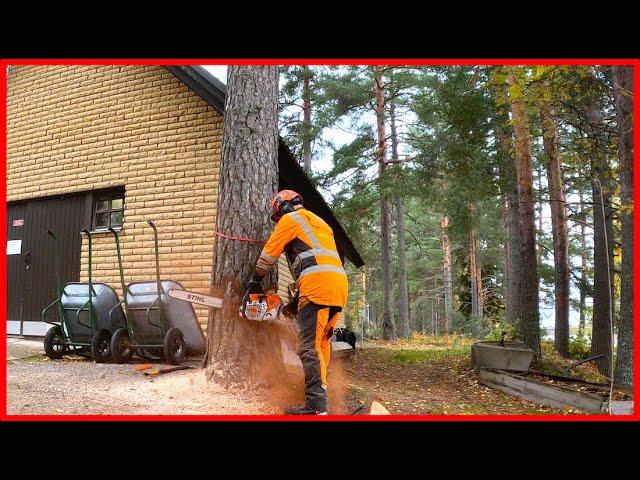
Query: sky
(339,137)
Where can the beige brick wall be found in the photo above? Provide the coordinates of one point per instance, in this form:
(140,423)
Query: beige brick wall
(78,128)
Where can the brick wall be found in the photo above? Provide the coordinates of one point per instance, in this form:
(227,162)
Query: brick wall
(78,128)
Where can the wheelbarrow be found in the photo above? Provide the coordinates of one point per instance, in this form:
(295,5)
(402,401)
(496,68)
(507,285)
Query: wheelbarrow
(87,316)
(154,323)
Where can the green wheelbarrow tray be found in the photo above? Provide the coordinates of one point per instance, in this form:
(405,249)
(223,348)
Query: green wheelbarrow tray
(74,302)
(141,296)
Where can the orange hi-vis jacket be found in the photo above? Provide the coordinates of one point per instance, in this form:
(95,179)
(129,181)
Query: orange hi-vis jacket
(313,258)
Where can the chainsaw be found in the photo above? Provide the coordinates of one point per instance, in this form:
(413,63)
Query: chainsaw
(258,307)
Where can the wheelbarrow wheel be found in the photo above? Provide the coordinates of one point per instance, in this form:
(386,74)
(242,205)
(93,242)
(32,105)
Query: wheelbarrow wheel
(54,345)
(121,349)
(101,346)
(175,348)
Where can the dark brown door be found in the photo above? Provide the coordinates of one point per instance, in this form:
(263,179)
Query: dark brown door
(31,274)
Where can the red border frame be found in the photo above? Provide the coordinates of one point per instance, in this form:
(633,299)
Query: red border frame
(309,61)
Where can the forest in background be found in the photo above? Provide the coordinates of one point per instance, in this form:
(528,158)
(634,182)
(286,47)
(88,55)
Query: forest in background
(479,196)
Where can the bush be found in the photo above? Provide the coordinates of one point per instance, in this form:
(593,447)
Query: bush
(579,346)
(497,328)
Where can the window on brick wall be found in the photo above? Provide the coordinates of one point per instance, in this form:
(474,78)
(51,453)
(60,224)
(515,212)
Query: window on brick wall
(108,209)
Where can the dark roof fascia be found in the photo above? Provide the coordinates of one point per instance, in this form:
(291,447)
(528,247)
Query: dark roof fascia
(203,83)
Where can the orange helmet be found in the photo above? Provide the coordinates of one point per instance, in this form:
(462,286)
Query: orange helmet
(283,202)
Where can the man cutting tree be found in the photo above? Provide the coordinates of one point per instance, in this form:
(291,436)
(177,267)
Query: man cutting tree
(321,283)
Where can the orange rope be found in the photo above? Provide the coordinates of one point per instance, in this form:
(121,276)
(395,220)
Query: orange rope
(238,239)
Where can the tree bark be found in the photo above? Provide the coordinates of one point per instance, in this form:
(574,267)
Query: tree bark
(526,302)
(506,165)
(403,290)
(385,217)
(306,119)
(448,290)
(583,266)
(239,351)
(473,274)
(558,227)
(602,240)
(623,91)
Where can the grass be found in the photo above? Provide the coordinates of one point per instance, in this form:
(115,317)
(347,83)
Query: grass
(554,364)
(414,356)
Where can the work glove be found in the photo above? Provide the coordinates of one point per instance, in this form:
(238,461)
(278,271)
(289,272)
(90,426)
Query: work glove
(252,286)
(291,308)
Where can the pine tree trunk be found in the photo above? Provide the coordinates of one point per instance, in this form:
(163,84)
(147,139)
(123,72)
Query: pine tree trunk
(403,290)
(583,266)
(602,241)
(623,91)
(385,216)
(506,165)
(239,351)
(527,295)
(559,229)
(473,274)
(539,217)
(448,291)
(306,119)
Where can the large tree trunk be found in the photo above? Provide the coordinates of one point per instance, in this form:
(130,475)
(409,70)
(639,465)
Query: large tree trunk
(306,119)
(602,241)
(448,290)
(385,217)
(559,229)
(403,290)
(506,165)
(526,303)
(623,91)
(240,351)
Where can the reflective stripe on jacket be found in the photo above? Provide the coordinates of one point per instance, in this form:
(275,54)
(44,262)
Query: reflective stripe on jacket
(311,250)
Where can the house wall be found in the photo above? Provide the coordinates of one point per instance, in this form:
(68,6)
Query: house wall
(79,128)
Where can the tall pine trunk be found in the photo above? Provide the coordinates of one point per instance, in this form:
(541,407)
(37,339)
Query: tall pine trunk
(306,118)
(508,187)
(527,295)
(385,217)
(583,265)
(476,316)
(448,290)
(403,290)
(240,351)
(602,240)
(558,227)
(623,91)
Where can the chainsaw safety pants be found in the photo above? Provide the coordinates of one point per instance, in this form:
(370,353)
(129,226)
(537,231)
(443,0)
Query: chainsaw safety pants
(316,324)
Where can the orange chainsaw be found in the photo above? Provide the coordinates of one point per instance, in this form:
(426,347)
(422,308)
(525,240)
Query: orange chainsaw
(258,307)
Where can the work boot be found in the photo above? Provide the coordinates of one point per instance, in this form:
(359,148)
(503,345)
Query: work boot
(302,410)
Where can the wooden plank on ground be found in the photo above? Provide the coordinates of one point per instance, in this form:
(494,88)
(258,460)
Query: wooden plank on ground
(539,392)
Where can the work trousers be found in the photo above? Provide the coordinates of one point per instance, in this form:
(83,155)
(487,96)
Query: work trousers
(316,324)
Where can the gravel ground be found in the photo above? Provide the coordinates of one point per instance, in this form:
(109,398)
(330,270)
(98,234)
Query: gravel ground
(36,385)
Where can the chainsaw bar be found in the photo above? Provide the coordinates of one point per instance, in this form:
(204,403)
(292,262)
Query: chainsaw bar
(215,302)
(198,298)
